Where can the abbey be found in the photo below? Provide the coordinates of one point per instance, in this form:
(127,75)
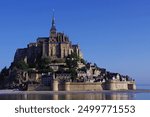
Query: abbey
(54,63)
(56,46)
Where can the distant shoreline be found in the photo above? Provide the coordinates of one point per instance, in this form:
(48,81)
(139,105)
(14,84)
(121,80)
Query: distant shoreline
(72,92)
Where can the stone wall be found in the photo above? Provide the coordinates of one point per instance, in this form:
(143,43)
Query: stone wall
(120,85)
(38,87)
(83,86)
(76,86)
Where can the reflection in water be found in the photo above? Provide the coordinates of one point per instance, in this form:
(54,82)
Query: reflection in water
(70,96)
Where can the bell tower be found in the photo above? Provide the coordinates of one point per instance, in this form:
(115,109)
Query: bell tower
(53,28)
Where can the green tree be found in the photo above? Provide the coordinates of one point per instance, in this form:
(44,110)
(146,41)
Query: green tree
(72,60)
(22,65)
(84,69)
(72,63)
(3,76)
(43,65)
(83,61)
(73,73)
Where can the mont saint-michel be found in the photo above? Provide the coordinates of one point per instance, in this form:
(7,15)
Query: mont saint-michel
(54,63)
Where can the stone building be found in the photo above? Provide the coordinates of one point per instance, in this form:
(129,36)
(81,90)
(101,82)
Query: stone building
(56,46)
(78,76)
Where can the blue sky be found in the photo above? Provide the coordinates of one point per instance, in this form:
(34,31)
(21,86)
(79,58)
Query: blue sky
(115,34)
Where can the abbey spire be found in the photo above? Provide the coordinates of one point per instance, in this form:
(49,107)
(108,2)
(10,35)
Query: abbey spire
(53,28)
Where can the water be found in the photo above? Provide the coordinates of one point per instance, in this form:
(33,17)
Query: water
(105,95)
(143,95)
(143,86)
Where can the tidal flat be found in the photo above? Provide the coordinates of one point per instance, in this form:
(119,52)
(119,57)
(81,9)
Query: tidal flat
(139,94)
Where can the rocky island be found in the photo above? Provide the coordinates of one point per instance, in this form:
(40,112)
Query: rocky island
(53,63)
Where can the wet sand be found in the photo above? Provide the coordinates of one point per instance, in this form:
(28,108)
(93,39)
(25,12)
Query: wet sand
(73,92)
